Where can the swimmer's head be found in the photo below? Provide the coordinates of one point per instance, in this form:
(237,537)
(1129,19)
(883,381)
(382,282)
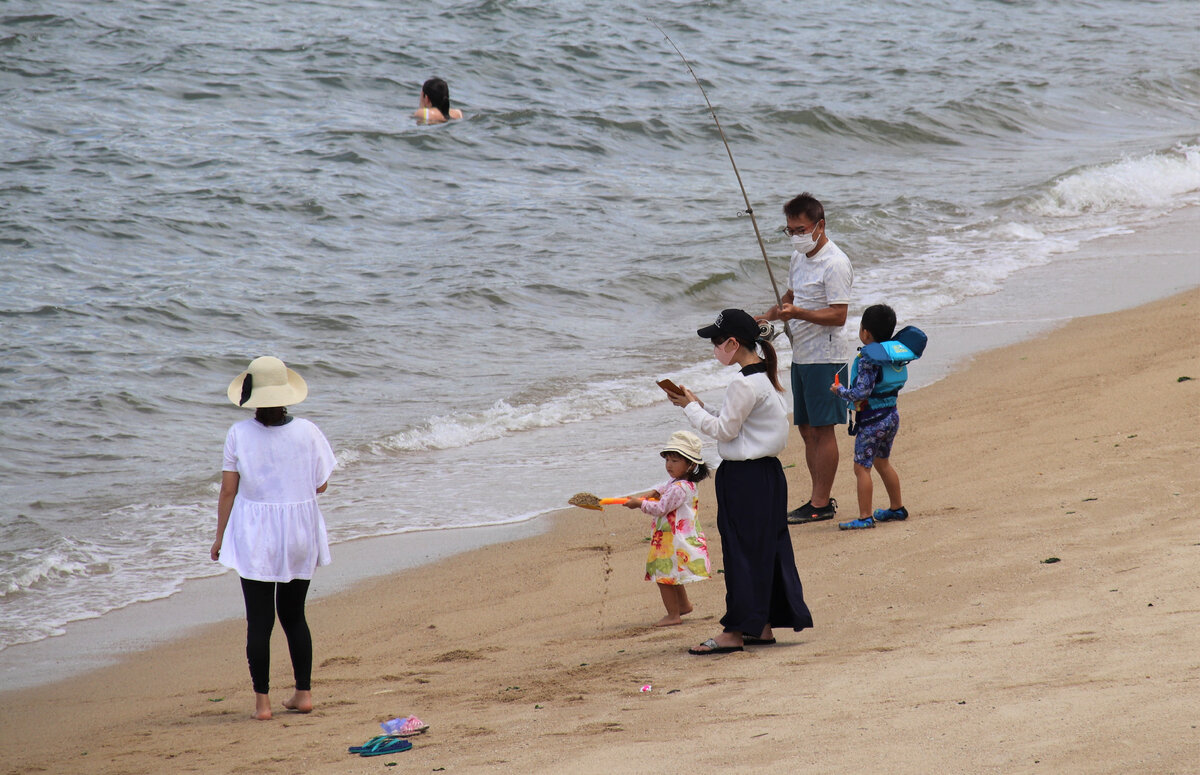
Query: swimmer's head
(438,94)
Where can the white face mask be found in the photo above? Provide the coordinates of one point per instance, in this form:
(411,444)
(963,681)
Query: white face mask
(804,242)
(724,352)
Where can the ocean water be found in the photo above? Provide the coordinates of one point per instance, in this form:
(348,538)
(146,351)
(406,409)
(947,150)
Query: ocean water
(481,308)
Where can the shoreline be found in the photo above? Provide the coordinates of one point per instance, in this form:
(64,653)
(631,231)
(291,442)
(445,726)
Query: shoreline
(1094,280)
(944,643)
(1103,280)
(95,643)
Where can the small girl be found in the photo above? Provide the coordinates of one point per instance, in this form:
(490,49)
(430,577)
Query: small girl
(678,551)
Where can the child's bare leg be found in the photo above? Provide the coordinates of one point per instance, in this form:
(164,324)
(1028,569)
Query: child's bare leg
(685,605)
(891,482)
(865,490)
(262,707)
(301,702)
(671,603)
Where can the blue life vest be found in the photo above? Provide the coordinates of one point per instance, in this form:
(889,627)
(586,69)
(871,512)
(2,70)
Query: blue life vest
(892,357)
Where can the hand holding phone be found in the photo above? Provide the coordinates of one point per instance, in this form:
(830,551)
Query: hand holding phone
(670,387)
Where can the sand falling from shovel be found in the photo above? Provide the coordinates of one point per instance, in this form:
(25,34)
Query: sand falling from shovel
(585,500)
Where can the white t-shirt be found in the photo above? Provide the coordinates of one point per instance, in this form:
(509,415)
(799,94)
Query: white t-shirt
(816,283)
(276,531)
(752,423)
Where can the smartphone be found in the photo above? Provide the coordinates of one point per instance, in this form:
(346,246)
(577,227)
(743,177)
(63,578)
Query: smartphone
(670,387)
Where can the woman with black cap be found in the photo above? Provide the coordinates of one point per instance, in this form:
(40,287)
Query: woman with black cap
(762,587)
(269,528)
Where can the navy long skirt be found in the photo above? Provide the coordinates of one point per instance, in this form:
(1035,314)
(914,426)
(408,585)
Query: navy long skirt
(761,583)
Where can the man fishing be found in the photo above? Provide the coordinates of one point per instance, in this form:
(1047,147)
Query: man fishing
(815,308)
(815,305)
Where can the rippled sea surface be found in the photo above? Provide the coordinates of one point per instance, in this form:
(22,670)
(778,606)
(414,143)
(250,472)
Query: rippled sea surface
(480,308)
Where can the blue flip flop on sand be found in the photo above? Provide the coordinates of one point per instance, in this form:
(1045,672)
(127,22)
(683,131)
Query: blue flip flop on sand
(383,744)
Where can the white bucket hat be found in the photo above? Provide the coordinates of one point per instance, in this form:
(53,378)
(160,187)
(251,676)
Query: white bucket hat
(267,382)
(686,444)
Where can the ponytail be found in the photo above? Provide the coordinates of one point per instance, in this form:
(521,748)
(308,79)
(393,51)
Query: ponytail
(772,361)
(439,95)
(769,358)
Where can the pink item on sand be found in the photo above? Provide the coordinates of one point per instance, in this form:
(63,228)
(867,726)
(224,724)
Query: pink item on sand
(405,726)
(411,726)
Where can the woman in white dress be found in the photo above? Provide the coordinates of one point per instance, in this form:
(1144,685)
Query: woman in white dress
(269,527)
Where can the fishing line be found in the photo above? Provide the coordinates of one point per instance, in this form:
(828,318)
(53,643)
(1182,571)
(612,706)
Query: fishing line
(749,210)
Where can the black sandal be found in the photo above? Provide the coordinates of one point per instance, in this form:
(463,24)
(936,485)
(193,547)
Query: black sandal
(711,647)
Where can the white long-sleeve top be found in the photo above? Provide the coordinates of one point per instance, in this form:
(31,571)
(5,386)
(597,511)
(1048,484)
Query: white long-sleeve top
(752,422)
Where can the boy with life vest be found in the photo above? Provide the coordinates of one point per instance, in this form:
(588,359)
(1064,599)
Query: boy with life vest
(876,376)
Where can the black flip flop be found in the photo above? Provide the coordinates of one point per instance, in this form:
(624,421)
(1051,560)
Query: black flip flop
(754,640)
(711,647)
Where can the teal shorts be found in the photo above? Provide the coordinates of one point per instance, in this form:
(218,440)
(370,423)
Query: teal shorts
(814,404)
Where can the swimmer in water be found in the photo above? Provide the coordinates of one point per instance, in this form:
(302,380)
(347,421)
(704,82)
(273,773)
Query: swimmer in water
(435,103)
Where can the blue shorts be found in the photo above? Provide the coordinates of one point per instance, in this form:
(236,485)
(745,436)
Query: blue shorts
(813,403)
(875,439)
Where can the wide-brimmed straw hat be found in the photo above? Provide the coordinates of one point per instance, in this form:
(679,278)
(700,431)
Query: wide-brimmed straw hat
(686,444)
(267,382)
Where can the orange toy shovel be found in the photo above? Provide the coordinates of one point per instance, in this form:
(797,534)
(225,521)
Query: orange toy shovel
(585,500)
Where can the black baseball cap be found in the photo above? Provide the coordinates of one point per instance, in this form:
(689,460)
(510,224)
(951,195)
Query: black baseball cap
(732,322)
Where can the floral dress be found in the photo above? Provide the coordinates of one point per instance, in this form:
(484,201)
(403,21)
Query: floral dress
(678,551)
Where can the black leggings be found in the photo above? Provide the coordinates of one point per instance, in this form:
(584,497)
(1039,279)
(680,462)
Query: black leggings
(263,599)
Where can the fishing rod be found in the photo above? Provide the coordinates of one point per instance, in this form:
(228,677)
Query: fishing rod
(749,210)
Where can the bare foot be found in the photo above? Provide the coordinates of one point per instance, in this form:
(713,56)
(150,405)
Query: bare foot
(686,611)
(301,702)
(262,707)
(668,621)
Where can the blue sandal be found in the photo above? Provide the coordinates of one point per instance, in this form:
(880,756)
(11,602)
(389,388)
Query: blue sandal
(374,741)
(392,745)
(380,745)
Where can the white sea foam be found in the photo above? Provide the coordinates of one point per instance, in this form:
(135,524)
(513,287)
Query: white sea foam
(596,399)
(945,267)
(31,570)
(1158,181)
(73,578)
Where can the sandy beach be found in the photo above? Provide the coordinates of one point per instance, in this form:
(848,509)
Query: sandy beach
(1039,612)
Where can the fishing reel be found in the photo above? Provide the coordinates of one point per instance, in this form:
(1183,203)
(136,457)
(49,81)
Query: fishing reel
(767,331)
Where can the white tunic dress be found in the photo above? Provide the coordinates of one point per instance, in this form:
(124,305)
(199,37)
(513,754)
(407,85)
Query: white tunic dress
(276,531)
